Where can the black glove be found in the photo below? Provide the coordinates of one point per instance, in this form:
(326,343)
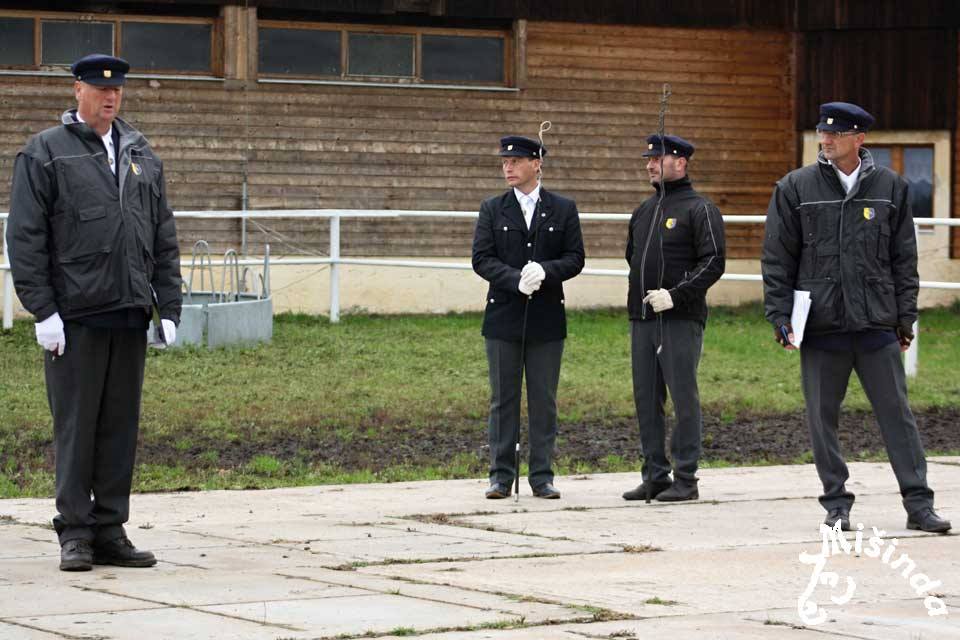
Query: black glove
(905,335)
(781,334)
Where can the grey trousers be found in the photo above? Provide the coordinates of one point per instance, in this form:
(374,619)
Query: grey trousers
(674,368)
(94,395)
(825,377)
(543,376)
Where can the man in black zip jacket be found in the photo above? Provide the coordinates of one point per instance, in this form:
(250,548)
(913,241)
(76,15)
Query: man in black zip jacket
(526,245)
(675,249)
(842,229)
(91,242)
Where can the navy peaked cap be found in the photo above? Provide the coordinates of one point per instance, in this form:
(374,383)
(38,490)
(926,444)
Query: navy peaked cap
(672,146)
(844,116)
(521,147)
(98,69)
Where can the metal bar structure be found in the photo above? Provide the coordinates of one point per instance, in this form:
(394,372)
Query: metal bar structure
(335,259)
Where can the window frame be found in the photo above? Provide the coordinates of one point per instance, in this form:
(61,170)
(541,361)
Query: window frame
(38,17)
(416,79)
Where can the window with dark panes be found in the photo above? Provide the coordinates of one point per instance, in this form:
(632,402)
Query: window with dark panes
(463,59)
(16,41)
(299,51)
(64,42)
(374,54)
(150,46)
(915,164)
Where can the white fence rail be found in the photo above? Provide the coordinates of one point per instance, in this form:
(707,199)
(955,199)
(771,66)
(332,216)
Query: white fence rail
(334,259)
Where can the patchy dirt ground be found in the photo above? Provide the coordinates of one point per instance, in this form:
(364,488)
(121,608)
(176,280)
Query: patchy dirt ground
(746,439)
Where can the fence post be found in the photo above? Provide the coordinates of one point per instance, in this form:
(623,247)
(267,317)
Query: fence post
(911,357)
(7,286)
(334,268)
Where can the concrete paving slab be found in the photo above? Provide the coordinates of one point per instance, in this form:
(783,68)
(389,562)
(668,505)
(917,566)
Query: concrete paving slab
(37,590)
(371,613)
(9,631)
(705,524)
(886,620)
(26,541)
(698,581)
(529,610)
(182,624)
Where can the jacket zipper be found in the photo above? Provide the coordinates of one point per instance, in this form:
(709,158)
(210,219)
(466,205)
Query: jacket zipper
(643,261)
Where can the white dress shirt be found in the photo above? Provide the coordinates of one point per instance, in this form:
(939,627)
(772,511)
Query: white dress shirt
(848,180)
(108,144)
(528,202)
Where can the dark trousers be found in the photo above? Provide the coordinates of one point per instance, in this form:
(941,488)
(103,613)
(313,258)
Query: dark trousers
(506,379)
(825,377)
(94,394)
(674,368)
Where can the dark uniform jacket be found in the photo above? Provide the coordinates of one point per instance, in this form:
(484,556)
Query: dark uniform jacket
(679,248)
(83,241)
(855,253)
(502,245)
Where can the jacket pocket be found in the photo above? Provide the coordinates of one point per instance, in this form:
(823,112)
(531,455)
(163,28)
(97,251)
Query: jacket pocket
(881,301)
(883,243)
(89,280)
(826,304)
(552,238)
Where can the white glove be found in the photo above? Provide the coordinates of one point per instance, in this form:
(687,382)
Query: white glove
(50,334)
(533,273)
(659,299)
(169,331)
(525,287)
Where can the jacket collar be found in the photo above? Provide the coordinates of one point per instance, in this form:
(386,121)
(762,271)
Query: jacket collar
(867,168)
(680,184)
(513,211)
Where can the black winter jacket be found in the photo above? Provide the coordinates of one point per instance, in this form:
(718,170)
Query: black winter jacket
(79,244)
(856,253)
(679,248)
(502,246)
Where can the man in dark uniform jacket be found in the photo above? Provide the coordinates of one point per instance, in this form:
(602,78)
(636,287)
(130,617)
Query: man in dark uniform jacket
(91,242)
(675,249)
(527,242)
(842,229)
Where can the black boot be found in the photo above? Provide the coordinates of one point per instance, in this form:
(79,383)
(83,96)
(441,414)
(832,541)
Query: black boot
(122,553)
(679,491)
(76,555)
(646,490)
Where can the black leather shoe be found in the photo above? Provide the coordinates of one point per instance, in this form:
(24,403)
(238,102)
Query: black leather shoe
(838,513)
(76,555)
(497,491)
(640,493)
(122,553)
(927,520)
(547,491)
(679,491)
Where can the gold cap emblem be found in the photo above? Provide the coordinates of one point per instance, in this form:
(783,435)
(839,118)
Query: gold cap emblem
(829,120)
(509,147)
(107,73)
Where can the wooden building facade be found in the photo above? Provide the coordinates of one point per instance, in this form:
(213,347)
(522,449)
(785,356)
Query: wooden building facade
(399,104)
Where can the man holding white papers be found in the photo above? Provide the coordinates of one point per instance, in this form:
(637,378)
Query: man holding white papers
(842,230)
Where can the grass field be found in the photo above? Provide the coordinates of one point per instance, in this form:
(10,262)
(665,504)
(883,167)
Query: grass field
(253,416)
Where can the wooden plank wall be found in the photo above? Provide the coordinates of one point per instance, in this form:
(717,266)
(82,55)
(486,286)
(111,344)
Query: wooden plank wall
(310,146)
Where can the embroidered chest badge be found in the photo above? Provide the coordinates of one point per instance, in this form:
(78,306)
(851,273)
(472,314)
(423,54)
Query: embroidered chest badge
(136,168)
(670,223)
(869,213)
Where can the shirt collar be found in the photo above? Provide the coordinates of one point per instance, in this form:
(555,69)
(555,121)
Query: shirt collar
(107,137)
(533,195)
